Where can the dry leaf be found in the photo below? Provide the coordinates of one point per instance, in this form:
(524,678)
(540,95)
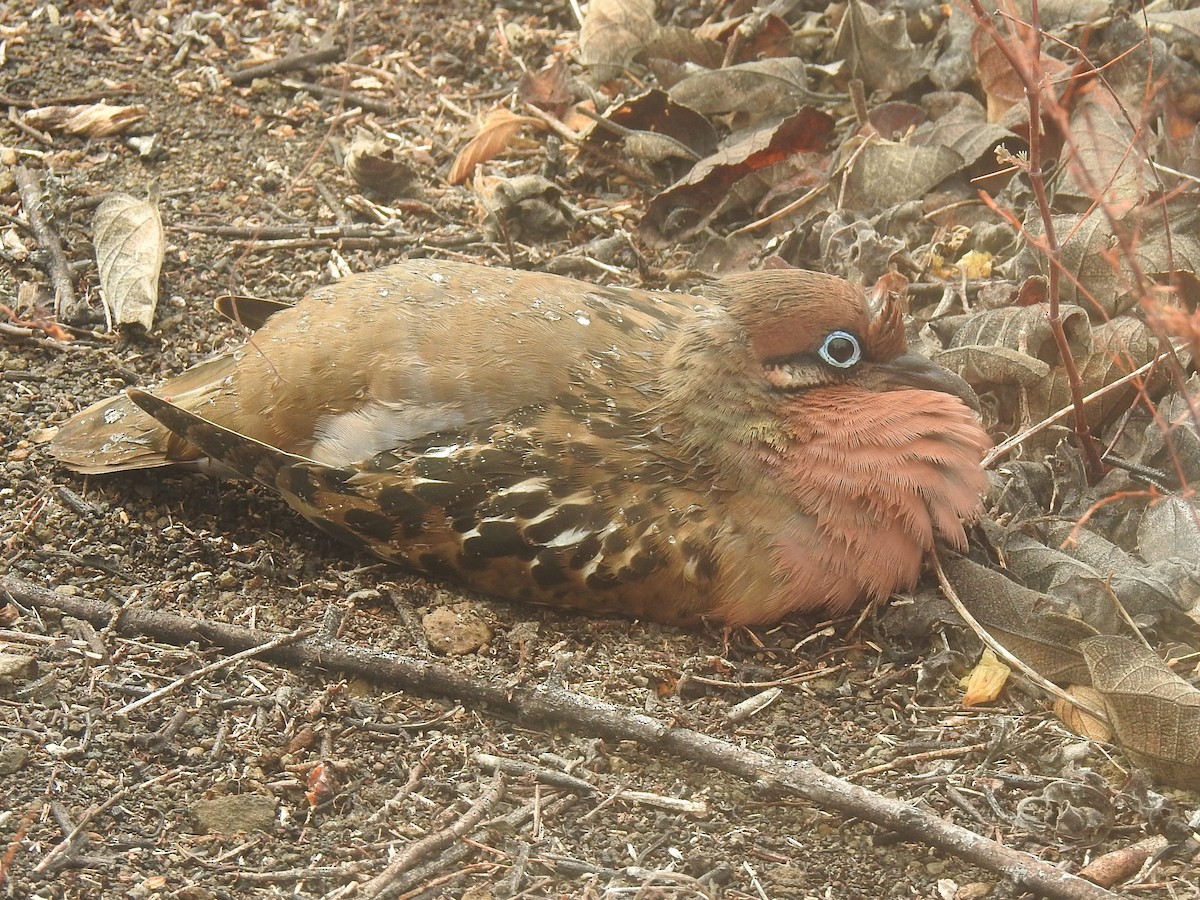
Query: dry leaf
(549,88)
(128,239)
(1155,713)
(372,163)
(614,32)
(655,111)
(683,208)
(1032,626)
(1080,721)
(986,680)
(1101,161)
(877,48)
(757,90)
(493,138)
(95,120)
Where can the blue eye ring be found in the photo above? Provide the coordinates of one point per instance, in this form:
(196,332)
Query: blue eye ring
(841,350)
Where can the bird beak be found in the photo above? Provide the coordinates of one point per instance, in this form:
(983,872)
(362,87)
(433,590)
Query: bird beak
(911,370)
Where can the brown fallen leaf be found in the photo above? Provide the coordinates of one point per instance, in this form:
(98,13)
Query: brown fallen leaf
(1078,720)
(128,239)
(495,136)
(1155,714)
(684,208)
(614,32)
(877,48)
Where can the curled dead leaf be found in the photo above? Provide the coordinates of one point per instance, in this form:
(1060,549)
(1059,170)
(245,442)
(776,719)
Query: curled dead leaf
(495,136)
(374,165)
(1079,721)
(128,239)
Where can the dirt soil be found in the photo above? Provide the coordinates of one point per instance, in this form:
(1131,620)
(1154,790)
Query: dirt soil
(219,784)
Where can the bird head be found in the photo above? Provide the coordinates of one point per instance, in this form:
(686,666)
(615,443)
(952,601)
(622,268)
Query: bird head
(809,330)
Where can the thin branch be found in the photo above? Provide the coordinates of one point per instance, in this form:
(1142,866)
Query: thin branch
(543,703)
(432,844)
(282,640)
(1025,62)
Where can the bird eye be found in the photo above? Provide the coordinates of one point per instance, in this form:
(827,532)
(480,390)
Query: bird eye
(840,349)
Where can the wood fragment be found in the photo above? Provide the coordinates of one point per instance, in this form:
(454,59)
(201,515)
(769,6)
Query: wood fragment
(67,307)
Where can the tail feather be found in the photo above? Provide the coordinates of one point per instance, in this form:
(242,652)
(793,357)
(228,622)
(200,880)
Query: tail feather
(114,435)
(252,312)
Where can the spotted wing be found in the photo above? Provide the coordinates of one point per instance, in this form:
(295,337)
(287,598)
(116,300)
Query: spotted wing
(505,514)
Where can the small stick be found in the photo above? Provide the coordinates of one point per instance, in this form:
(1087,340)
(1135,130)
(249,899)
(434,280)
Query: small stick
(347,98)
(64,846)
(439,840)
(289,63)
(1003,447)
(1003,652)
(226,661)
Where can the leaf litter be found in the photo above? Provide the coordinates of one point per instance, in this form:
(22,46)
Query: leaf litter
(823,145)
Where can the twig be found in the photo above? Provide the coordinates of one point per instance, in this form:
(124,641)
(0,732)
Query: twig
(346,98)
(1003,652)
(1026,63)
(520,769)
(944,753)
(284,639)
(14,845)
(638,174)
(1003,447)
(67,307)
(289,63)
(64,846)
(542,703)
(436,842)
(414,778)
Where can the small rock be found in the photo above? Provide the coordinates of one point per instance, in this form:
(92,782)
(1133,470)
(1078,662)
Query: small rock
(229,815)
(456,631)
(12,759)
(14,668)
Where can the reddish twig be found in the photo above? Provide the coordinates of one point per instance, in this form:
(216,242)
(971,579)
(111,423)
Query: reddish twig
(1025,58)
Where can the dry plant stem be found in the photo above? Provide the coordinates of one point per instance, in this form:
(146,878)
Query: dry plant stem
(944,753)
(348,99)
(283,639)
(636,173)
(783,213)
(64,846)
(1002,449)
(1029,70)
(67,307)
(14,846)
(432,844)
(519,769)
(1002,651)
(589,715)
(289,63)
